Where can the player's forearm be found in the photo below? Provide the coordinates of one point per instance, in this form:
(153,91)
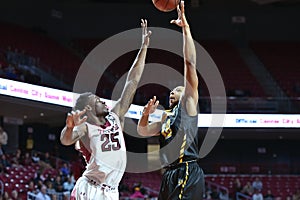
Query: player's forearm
(69,135)
(143,124)
(144,120)
(189,50)
(66,136)
(133,78)
(147,130)
(138,65)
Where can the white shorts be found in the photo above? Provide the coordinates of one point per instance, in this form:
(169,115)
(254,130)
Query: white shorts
(86,189)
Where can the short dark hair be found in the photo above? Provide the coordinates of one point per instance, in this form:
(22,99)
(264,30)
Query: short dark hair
(82,101)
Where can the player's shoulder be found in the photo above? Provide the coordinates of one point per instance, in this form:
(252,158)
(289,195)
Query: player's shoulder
(113,115)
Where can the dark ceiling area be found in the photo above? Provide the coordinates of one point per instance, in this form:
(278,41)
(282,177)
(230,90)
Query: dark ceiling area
(204,2)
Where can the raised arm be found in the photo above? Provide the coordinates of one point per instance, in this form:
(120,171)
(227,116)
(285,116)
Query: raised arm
(74,129)
(190,95)
(144,128)
(134,75)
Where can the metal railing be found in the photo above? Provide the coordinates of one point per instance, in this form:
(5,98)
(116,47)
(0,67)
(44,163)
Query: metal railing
(239,196)
(218,187)
(59,195)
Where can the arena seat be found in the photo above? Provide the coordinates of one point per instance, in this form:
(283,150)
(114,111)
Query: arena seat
(282,60)
(54,57)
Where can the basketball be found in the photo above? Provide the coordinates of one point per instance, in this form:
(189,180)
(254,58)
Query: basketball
(166,5)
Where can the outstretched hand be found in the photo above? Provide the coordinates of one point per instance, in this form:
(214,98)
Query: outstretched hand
(151,106)
(146,33)
(75,118)
(181,20)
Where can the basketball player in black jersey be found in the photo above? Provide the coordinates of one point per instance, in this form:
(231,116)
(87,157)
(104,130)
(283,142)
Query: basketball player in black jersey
(177,130)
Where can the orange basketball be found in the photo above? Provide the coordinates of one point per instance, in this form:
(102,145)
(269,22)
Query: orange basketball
(166,5)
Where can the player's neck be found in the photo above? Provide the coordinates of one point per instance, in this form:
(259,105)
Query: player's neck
(101,121)
(98,120)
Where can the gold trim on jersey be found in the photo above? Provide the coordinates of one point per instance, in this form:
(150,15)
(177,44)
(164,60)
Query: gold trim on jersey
(166,130)
(182,149)
(183,182)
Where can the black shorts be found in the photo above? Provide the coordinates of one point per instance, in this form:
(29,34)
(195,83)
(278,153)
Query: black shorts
(182,181)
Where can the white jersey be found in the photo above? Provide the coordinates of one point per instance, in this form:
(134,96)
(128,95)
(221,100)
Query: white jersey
(104,150)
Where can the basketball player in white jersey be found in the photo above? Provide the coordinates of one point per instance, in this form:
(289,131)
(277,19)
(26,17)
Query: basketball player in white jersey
(98,134)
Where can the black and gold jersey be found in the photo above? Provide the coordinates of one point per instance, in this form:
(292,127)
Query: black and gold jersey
(179,140)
